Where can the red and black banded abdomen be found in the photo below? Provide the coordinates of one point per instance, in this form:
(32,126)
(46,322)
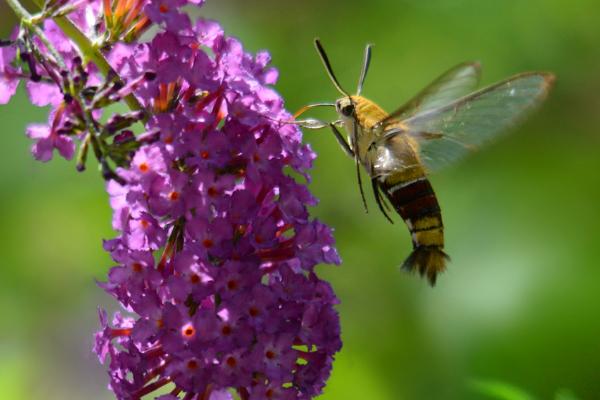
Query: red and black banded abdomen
(417,204)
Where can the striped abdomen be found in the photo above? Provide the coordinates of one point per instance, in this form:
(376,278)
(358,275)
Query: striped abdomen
(416,203)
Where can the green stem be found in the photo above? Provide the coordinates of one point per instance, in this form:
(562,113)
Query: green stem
(21,12)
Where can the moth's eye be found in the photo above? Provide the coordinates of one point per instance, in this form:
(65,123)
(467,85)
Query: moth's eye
(348,110)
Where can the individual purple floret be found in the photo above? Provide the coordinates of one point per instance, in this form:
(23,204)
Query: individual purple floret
(216,250)
(9,75)
(47,139)
(167,11)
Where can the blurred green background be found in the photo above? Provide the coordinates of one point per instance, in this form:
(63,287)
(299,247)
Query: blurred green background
(517,315)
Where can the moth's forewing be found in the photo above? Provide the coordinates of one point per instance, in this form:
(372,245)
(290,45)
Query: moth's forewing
(448,133)
(451,85)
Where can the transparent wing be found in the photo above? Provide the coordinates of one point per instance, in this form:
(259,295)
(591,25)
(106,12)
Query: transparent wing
(453,84)
(448,133)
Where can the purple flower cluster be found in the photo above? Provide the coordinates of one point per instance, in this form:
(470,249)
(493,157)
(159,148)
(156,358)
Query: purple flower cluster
(216,250)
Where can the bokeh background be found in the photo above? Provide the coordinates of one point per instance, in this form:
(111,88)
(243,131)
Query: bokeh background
(517,315)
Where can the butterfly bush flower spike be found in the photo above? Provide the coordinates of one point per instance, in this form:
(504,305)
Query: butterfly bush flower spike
(216,252)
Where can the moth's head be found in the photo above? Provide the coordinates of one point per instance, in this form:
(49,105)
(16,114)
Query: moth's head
(345,107)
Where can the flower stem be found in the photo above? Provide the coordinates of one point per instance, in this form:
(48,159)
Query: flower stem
(19,10)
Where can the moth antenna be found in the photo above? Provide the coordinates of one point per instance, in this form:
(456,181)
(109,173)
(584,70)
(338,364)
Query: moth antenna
(328,68)
(365,68)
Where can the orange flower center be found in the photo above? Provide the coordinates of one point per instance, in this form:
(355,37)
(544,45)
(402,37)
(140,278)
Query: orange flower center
(231,361)
(232,284)
(188,331)
(137,267)
(212,191)
(226,330)
(143,167)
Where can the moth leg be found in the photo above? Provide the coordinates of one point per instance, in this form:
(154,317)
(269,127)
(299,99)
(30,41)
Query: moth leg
(382,205)
(357,164)
(340,139)
(385,203)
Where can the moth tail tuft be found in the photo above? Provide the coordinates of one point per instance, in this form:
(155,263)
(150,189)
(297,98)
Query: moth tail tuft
(428,261)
